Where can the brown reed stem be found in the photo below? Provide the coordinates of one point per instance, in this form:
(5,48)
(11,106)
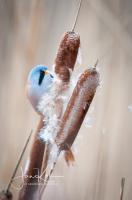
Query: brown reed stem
(64,64)
(76,110)
(35,161)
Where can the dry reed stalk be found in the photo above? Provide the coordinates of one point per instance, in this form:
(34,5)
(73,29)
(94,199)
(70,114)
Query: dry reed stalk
(6,195)
(122,188)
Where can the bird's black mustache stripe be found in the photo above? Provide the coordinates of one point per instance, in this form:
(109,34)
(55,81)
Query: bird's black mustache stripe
(41,77)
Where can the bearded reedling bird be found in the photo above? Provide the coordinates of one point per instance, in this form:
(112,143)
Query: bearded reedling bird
(40,80)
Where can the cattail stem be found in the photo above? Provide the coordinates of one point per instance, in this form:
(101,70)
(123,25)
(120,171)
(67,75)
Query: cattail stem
(78,106)
(35,161)
(76,110)
(64,64)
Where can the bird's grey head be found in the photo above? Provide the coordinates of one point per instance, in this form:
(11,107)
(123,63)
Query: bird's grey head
(39,82)
(40,74)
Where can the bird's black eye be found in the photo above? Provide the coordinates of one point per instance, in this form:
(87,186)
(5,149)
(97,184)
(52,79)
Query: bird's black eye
(51,76)
(41,77)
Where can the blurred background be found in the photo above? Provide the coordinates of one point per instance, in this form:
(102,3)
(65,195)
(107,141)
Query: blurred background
(30,32)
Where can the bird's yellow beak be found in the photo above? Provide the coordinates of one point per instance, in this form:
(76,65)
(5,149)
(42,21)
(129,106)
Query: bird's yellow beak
(46,72)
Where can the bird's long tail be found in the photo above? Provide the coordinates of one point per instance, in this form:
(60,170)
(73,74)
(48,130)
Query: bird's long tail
(69,157)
